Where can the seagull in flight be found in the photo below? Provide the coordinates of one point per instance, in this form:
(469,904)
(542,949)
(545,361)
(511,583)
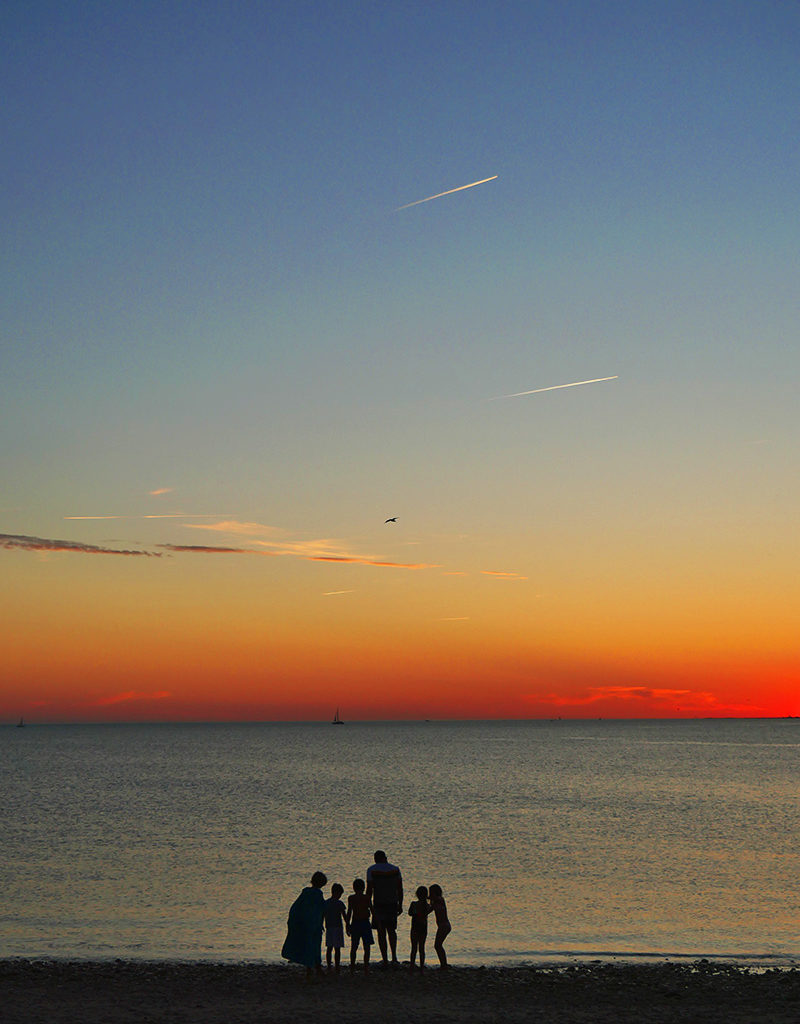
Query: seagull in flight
(392,520)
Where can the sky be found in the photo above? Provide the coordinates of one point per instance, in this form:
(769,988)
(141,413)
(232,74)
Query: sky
(234,342)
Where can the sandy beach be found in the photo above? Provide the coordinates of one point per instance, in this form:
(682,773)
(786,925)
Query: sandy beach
(124,992)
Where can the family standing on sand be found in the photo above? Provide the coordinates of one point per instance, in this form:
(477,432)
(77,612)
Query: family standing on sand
(375,904)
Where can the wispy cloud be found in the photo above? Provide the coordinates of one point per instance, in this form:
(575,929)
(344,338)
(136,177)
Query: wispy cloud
(554,387)
(236,527)
(631,693)
(320,549)
(448,192)
(308,550)
(161,490)
(129,695)
(454,618)
(207,549)
(23,543)
(357,560)
(327,550)
(335,593)
(159,515)
(280,542)
(664,699)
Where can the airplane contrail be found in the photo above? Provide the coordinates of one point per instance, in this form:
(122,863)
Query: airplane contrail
(447,193)
(555,387)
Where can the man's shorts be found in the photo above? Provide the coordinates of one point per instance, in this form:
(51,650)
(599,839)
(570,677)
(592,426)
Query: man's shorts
(385,914)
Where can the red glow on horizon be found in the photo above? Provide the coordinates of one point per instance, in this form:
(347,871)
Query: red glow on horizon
(134,707)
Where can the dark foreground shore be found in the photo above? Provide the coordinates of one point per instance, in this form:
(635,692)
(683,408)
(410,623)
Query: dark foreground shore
(131,992)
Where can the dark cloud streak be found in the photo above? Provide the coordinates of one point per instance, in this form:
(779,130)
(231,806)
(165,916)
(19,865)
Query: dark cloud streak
(205,549)
(11,541)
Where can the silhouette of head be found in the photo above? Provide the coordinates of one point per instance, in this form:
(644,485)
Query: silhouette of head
(422,893)
(358,885)
(318,879)
(380,857)
(435,891)
(336,890)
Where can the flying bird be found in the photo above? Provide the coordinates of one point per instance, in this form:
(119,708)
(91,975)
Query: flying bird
(392,520)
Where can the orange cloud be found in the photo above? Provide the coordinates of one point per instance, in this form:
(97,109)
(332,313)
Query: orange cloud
(503,575)
(645,699)
(356,560)
(325,549)
(234,526)
(322,548)
(161,490)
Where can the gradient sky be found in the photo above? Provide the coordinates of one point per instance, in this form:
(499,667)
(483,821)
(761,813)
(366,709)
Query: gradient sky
(228,356)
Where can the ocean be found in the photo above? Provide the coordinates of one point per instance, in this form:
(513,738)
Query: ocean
(551,840)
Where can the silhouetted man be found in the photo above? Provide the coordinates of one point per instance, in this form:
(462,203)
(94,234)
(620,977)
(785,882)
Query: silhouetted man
(385,887)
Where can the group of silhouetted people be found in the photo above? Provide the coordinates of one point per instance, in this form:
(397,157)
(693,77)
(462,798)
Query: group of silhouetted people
(376,903)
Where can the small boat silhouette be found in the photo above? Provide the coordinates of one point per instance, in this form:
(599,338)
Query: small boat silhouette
(336,719)
(20,723)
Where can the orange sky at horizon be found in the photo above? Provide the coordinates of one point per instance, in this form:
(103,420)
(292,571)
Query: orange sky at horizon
(110,639)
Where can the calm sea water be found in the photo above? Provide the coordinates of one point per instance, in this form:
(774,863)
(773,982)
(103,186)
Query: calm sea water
(550,839)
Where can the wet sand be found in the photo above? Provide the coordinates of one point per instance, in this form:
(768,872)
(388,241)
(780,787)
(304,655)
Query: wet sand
(134,992)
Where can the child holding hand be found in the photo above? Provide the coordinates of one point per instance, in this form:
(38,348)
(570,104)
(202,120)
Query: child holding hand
(359,908)
(334,915)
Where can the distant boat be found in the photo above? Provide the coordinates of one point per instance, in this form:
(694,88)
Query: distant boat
(336,719)
(20,723)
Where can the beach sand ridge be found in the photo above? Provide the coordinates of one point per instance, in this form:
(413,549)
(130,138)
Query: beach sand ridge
(143,992)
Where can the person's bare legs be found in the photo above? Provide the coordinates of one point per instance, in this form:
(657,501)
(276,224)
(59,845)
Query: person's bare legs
(382,940)
(392,935)
(413,951)
(438,945)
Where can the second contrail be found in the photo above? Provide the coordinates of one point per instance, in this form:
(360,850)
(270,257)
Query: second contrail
(448,192)
(555,387)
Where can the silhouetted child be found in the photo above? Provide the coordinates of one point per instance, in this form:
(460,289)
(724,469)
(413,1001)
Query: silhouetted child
(418,912)
(334,914)
(443,927)
(359,908)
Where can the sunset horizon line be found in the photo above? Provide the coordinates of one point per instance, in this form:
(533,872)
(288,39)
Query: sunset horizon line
(14,723)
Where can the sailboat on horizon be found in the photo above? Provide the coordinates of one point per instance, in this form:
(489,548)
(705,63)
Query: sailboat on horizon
(336,719)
